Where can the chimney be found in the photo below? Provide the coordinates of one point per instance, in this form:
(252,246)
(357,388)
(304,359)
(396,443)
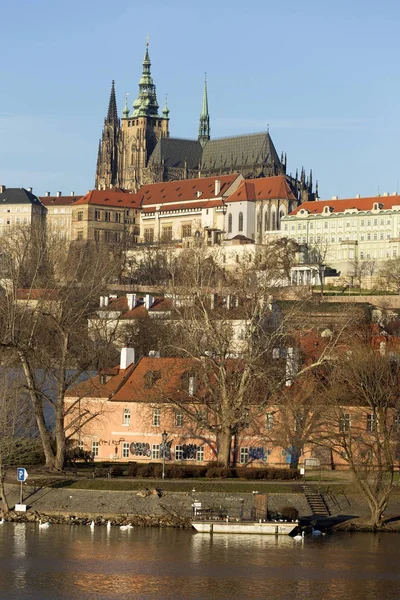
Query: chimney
(386,194)
(47,194)
(105,299)
(131,299)
(30,189)
(58,194)
(229,301)
(72,193)
(335,198)
(358,196)
(2,188)
(217,187)
(101,301)
(148,301)
(127,358)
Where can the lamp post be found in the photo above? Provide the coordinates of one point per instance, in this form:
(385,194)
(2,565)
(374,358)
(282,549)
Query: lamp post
(164,437)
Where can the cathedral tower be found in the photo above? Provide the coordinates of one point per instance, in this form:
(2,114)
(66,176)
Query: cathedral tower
(141,129)
(204,122)
(108,154)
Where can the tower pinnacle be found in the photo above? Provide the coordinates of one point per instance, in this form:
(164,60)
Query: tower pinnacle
(146,103)
(112,114)
(204,122)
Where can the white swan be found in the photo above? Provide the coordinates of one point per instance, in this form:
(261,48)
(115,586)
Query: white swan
(108,525)
(43,525)
(299,537)
(92,525)
(2,521)
(123,527)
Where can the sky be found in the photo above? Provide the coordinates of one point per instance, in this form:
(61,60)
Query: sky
(323,76)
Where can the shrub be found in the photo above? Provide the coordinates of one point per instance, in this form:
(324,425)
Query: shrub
(222,472)
(176,472)
(116,471)
(289,512)
(132,469)
(145,470)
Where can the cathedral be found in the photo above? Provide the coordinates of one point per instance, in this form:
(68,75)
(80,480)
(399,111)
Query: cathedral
(137,149)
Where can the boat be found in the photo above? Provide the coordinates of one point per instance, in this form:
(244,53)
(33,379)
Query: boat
(256,527)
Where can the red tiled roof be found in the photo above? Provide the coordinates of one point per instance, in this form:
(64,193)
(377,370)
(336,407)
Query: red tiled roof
(115,198)
(337,206)
(173,192)
(59,200)
(139,312)
(36,294)
(265,188)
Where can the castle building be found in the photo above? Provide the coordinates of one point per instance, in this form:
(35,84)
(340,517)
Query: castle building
(137,149)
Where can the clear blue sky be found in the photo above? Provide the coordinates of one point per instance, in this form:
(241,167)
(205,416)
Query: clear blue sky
(323,75)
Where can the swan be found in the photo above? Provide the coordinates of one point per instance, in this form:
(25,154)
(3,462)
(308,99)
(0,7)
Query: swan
(299,536)
(108,525)
(123,527)
(92,525)
(43,525)
(316,532)
(2,521)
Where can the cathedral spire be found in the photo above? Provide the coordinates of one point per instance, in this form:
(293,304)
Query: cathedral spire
(204,122)
(112,114)
(146,104)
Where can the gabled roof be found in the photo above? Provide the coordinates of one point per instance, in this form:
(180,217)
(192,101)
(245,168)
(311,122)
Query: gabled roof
(176,192)
(338,206)
(265,188)
(241,150)
(112,197)
(50,201)
(36,294)
(19,196)
(176,153)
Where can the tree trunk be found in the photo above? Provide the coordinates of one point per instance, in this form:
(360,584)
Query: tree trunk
(4,501)
(224,446)
(38,410)
(59,424)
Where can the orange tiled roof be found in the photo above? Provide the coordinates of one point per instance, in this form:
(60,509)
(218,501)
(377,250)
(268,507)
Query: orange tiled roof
(36,294)
(174,192)
(265,188)
(114,197)
(337,206)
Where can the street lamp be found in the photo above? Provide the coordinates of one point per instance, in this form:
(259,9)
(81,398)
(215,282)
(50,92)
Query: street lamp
(164,437)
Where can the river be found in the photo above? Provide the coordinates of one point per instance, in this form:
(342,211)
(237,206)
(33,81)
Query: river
(66,562)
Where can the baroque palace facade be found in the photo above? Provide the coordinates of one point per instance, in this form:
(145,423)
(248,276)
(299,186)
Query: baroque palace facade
(137,149)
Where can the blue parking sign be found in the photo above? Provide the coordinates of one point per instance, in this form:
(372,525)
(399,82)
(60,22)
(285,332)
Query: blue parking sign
(22,474)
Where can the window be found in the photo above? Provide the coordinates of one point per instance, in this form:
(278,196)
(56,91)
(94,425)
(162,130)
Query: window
(155,451)
(240,222)
(149,235)
(126,419)
(107,216)
(80,444)
(186,231)
(178,418)
(97,235)
(200,453)
(178,452)
(95,449)
(344,423)
(166,234)
(375,236)
(230,223)
(244,455)
(362,222)
(371,422)
(273,220)
(97,215)
(269,421)
(125,450)
(80,215)
(79,235)
(156,417)
(118,217)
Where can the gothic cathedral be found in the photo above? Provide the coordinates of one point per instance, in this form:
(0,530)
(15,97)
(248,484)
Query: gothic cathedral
(137,149)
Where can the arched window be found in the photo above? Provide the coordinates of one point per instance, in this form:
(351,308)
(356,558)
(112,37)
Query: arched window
(266,220)
(240,228)
(281,214)
(230,223)
(273,219)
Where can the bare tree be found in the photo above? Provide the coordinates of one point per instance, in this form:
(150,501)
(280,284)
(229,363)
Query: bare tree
(389,275)
(362,427)
(46,328)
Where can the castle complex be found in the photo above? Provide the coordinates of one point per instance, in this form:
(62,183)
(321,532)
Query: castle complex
(137,149)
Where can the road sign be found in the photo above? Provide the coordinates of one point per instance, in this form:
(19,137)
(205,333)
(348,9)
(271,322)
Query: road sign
(22,474)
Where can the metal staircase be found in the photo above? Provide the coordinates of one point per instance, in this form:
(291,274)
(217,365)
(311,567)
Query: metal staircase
(316,501)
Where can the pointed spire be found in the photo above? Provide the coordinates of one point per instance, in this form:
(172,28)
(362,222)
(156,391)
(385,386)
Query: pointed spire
(204,122)
(310,181)
(125,111)
(165,110)
(146,103)
(112,114)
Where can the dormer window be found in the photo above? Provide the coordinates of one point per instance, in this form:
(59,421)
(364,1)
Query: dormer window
(150,378)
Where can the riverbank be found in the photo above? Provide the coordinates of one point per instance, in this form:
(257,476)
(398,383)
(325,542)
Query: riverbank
(158,507)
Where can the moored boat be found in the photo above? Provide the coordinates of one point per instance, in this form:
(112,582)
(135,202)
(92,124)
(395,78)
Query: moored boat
(256,527)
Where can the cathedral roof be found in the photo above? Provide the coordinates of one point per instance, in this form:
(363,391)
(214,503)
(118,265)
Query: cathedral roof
(174,152)
(111,197)
(238,151)
(264,188)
